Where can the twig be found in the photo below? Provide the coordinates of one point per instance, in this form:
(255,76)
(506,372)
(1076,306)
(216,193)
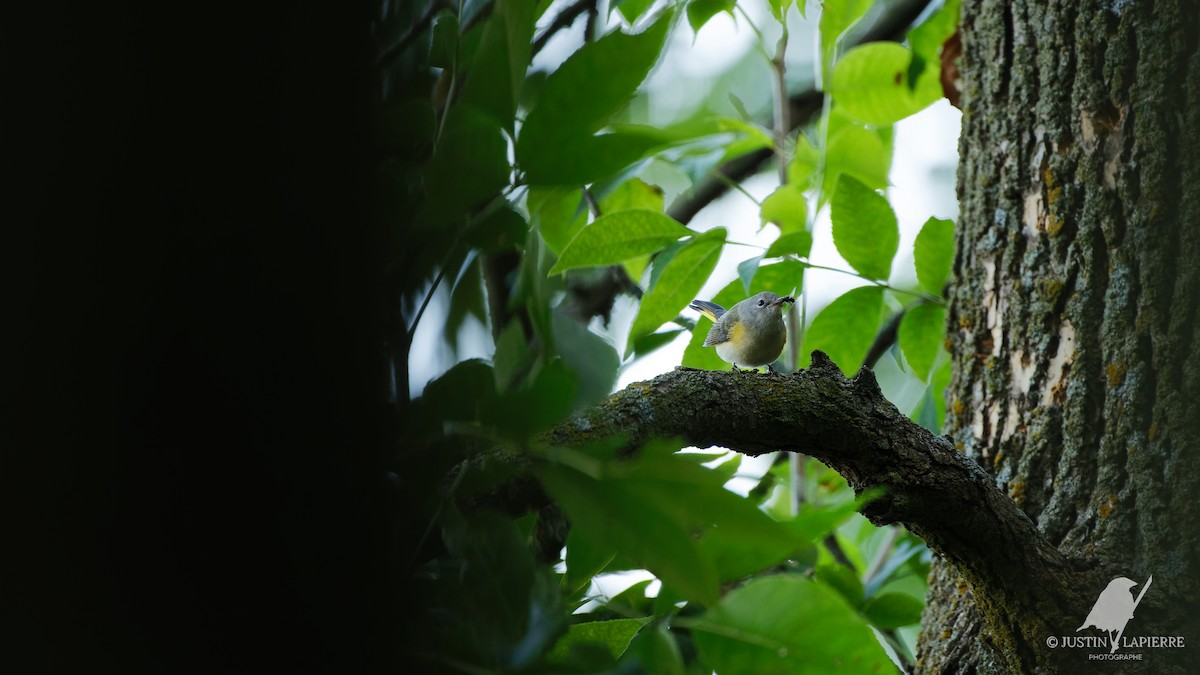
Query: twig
(564,20)
(393,50)
(734,185)
(592,204)
(804,106)
(884,339)
(428,296)
(589,32)
(783,125)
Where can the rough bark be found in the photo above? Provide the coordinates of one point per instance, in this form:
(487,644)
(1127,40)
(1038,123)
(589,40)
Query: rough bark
(1074,309)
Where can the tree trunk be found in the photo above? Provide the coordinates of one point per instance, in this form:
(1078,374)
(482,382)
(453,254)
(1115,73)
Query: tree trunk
(1073,317)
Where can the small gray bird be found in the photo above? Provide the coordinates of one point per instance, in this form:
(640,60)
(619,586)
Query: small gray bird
(749,334)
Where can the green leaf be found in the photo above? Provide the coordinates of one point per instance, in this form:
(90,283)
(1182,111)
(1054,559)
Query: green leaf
(871,83)
(469,165)
(491,597)
(859,152)
(671,514)
(931,411)
(837,16)
(786,207)
(899,558)
(782,278)
(558,213)
(748,543)
(498,70)
(631,518)
(893,610)
(803,167)
(678,284)
(462,393)
(486,473)
(844,580)
(614,636)
(729,468)
(926,412)
(617,237)
(593,360)
(471,10)
(795,243)
(444,45)
(865,231)
(649,343)
(634,193)
(933,254)
(585,559)
(927,40)
(785,624)
(558,160)
(700,11)
(468,42)
(544,400)
(556,145)
(657,651)
(501,230)
(511,357)
(632,601)
(739,538)
(746,271)
(780,7)
(407,129)
(662,259)
(534,288)
(750,137)
(466,299)
(632,9)
(922,331)
(816,521)
(846,328)
(624,193)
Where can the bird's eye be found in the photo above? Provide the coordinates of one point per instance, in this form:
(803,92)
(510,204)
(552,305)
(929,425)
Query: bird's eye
(761,303)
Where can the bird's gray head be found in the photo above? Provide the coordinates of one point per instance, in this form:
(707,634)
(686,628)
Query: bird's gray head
(767,299)
(766,304)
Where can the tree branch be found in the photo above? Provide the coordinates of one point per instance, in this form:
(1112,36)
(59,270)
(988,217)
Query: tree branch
(564,19)
(396,48)
(1024,586)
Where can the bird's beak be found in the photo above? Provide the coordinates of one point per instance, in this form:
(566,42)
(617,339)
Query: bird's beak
(780,301)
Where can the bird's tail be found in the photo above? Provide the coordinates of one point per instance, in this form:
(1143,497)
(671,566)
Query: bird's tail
(710,309)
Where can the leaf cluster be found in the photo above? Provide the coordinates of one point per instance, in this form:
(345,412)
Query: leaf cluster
(519,195)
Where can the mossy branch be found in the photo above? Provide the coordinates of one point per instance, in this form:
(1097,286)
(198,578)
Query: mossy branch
(1025,587)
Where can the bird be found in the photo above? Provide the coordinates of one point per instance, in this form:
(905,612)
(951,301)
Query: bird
(749,334)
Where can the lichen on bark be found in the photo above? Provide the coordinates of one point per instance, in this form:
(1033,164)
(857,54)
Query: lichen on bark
(1073,314)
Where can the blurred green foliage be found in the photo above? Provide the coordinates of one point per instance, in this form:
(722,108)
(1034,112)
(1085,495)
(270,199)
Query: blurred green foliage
(523,193)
